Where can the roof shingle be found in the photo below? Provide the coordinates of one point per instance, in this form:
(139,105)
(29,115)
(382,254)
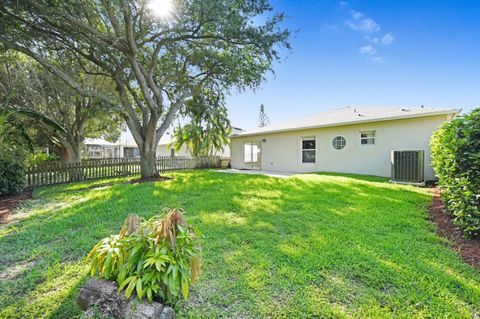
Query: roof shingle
(350,115)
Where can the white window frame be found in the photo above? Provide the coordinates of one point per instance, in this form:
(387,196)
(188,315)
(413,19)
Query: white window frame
(340,149)
(368,138)
(308,138)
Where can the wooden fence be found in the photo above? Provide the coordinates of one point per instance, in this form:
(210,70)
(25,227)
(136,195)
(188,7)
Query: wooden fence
(50,173)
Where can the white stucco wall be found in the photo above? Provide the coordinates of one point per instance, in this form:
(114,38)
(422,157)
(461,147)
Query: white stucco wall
(164,150)
(282,151)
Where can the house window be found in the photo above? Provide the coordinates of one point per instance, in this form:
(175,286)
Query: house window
(308,150)
(131,152)
(172,152)
(339,142)
(367,138)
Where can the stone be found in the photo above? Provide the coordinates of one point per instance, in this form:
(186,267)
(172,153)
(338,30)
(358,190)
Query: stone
(143,309)
(167,313)
(100,299)
(93,291)
(90,313)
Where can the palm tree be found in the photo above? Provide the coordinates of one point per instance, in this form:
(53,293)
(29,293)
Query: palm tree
(209,127)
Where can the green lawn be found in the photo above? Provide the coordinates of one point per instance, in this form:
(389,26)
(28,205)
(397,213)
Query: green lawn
(308,246)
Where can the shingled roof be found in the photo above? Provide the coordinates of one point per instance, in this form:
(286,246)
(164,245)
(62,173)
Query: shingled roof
(350,115)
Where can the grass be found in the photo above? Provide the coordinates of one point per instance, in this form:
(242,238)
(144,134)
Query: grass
(315,245)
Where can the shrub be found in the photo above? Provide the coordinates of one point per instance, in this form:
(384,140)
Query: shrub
(39,158)
(456,160)
(12,176)
(158,258)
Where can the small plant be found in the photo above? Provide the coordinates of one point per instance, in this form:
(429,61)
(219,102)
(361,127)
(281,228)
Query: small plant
(157,258)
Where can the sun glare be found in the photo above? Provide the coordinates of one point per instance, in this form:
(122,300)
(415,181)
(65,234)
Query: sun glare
(161,8)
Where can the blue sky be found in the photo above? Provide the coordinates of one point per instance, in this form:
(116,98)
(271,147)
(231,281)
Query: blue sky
(378,53)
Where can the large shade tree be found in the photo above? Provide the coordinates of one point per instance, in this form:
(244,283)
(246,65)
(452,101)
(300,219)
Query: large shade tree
(157,59)
(51,108)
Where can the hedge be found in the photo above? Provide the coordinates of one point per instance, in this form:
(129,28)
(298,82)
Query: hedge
(12,176)
(456,160)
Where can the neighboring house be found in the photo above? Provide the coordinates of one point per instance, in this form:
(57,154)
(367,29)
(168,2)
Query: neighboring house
(347,140)
(99,148)
(127,147)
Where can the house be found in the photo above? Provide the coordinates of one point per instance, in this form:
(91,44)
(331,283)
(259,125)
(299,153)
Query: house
(127,147)
(377,141)
(99,148)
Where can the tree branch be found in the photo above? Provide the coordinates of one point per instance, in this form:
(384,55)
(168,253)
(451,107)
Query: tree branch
(172,111)
(130,116)
(62,75)
(86,30)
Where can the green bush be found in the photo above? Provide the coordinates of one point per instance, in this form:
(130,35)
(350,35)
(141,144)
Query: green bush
(39,158)
(456,160)
(158,258)
(12,176)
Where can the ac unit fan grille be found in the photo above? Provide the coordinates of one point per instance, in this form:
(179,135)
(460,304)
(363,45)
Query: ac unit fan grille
(408,166)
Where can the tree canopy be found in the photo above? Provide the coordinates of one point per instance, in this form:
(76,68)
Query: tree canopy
(157,64)
(51,108)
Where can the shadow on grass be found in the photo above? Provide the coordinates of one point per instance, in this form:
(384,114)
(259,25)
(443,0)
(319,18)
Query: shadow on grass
(315,244)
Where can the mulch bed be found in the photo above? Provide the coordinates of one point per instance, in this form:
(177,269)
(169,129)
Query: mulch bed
(8,203)
(469,249)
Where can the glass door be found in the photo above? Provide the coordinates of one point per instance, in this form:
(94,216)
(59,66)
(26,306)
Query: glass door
(251,155)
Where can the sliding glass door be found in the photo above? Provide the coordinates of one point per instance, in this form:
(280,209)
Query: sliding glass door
(251,155)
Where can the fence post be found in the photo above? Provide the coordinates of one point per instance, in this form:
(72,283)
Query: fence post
(57,172)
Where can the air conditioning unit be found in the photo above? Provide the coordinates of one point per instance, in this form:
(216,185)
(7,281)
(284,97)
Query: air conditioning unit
(408,167)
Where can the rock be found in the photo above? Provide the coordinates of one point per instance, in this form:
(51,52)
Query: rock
(93,291)
(167,313)
(90,313)
(100,299)
(143,309)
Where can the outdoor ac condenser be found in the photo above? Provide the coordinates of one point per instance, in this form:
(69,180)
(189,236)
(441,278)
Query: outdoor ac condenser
(408,167)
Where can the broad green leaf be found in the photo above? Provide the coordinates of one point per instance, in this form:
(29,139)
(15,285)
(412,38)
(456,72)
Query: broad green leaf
(131,286)
(185,288)
(139,288)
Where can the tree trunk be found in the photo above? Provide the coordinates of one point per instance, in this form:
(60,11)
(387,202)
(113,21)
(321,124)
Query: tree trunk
(64,156)
(147,145)
(147,140)
(70,154)
(144,128)
(71,159)
(76,157)
(148,164)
